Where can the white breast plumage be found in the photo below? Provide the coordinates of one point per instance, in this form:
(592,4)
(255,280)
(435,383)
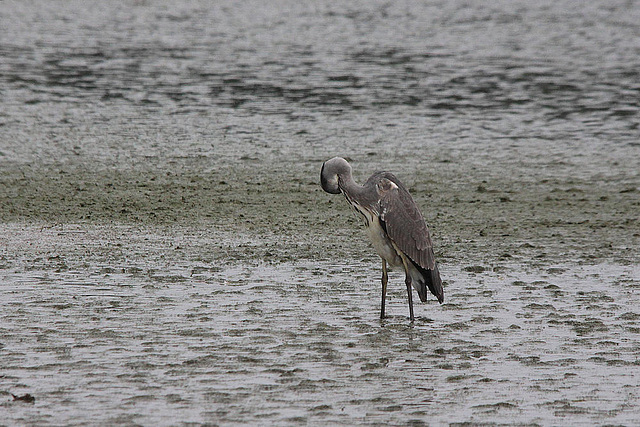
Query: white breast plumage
(377,235)
(381,242)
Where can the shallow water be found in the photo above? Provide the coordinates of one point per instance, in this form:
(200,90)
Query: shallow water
(173,340)
(167,256)
(409,81)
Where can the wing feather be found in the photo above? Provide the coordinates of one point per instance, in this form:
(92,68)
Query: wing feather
(405,224)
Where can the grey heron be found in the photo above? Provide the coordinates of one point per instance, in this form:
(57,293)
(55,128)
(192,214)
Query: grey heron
(394,224)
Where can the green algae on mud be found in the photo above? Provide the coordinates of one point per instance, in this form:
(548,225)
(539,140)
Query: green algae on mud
(481,223)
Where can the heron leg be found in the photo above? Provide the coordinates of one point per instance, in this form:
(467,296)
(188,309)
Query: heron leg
(407,280)
(385,279)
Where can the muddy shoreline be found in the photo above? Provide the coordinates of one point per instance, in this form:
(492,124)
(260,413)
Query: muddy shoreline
(483,221)
(264,300)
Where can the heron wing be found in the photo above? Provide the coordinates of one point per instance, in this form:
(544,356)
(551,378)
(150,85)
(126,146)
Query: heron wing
(405,224)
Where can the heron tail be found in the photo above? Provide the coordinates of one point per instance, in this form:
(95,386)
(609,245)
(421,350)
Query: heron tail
(430,280)
(435,284)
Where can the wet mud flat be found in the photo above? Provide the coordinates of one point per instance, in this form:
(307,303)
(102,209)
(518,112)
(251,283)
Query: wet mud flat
(217,298)
(167,255)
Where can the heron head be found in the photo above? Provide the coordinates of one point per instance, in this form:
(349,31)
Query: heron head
(332,170)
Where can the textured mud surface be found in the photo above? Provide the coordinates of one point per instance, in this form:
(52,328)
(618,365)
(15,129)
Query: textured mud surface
(137,324)
(167,255)
(281,208)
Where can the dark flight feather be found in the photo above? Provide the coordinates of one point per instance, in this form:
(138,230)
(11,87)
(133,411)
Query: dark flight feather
(406,227)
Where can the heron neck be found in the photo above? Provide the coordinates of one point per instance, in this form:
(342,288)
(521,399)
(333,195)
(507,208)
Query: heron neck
(349,186)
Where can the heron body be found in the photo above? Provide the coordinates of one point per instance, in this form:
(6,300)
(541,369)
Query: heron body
(394,224)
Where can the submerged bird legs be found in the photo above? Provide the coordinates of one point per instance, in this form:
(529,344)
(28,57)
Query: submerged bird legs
(407,280)
(385,279)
